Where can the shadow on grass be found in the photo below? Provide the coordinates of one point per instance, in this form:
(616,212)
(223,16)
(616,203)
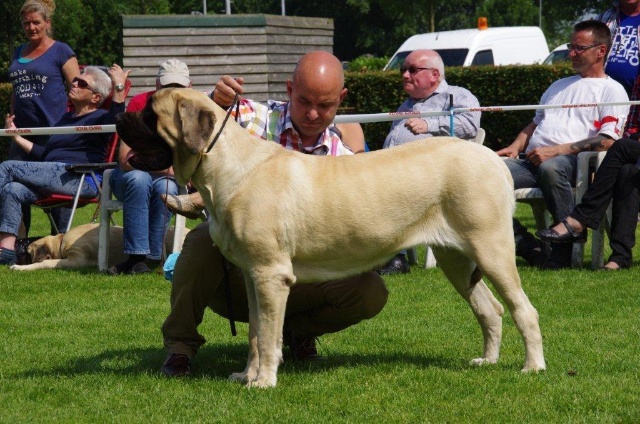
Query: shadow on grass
(218,362)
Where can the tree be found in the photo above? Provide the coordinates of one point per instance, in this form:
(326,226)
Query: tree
(92,27)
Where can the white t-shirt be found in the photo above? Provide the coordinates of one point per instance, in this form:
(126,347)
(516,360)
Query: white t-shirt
(568,125)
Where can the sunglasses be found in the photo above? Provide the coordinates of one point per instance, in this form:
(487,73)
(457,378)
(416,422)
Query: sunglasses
(414,69)
(83,84)
(581,49)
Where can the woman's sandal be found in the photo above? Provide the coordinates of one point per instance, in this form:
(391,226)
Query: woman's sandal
(571,236)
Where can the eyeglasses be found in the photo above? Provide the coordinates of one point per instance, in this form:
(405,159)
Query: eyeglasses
(414,69)
(581,49)
(83,84)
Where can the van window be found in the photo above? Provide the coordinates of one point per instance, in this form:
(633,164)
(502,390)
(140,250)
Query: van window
(483,57)
(453,57)
(397,61)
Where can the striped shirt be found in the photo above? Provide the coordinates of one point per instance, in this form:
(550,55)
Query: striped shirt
(465,125)
(273,122)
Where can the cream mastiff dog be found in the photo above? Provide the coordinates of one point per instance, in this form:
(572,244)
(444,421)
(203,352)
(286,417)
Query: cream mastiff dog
(288,218)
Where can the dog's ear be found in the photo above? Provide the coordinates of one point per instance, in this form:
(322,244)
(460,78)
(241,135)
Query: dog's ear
(197,124)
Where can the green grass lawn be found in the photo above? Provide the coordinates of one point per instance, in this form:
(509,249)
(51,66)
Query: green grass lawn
(78,346)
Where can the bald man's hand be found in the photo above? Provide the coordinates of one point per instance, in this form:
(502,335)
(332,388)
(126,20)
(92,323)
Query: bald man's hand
(226,89)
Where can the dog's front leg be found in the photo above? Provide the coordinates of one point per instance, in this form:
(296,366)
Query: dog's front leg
(251,370)
(271,295)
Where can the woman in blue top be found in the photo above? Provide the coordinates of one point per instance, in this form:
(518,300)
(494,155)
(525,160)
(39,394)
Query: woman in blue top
(40,71)
(24,182)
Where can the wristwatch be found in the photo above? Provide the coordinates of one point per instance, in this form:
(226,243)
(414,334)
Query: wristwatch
(119,87)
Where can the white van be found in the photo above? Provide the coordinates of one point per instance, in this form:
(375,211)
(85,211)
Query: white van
(480,46)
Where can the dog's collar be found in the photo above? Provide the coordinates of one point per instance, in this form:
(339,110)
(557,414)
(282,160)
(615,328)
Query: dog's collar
(226,118)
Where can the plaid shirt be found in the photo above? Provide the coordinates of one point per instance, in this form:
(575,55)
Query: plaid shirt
(610,18)
(273,122)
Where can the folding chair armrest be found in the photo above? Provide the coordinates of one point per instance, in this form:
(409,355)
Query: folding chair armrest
(85,168)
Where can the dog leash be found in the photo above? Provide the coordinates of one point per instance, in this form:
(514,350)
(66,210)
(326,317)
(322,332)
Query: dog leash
(224,122)
(226,267)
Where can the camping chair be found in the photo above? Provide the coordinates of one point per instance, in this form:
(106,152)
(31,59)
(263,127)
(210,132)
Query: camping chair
(85,169)
(430,260)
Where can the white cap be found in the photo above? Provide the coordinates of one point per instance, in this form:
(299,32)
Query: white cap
(173,71)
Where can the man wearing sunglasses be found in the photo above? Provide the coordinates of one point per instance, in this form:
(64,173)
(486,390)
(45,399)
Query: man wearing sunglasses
(424,81)
(24,182)
(549,145)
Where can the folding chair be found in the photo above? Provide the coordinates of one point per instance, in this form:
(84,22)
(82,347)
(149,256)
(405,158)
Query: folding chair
(85,169)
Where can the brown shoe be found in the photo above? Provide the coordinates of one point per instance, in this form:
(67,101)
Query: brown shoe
(182,205)
(302,349)
(177,365)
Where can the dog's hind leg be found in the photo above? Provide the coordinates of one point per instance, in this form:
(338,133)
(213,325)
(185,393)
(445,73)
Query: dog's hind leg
(463,274)
(496,259)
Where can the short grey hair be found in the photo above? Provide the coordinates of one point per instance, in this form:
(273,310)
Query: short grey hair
(101,82)
(435,61)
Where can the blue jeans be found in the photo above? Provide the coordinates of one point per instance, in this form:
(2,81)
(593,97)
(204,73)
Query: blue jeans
(555,177)
(145,215)
(22,183)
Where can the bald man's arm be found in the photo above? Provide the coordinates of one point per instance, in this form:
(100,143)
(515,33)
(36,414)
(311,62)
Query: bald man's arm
(352,136)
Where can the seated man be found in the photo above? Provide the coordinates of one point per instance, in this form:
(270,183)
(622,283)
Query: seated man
(553,140)
(145,215)
(25,182)
(313,309)
(424,81)
(616,179)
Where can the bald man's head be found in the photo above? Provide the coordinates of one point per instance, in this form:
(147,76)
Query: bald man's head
(315,90)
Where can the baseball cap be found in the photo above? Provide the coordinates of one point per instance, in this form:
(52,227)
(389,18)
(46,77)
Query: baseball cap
(173,71)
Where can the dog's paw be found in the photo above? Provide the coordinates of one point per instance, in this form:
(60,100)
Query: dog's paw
(264,382)
(239,377)
(478,362)
(19,267)
(534,368)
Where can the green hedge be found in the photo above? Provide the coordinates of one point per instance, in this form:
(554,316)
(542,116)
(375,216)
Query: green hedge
(375,92)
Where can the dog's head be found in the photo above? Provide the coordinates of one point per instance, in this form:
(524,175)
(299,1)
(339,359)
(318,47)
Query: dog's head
(45,248)
(174,128)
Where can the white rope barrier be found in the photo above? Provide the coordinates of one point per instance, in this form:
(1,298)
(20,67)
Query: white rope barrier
(359,118)
(59,130)
(392,116)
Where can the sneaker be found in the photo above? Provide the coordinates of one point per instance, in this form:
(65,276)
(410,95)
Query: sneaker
(139,268)
(177,365)
(397,265)
(7,257)
(531,249)
(302,349)
(559,257)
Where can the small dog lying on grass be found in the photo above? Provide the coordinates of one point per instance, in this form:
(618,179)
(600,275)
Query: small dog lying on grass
(76,249)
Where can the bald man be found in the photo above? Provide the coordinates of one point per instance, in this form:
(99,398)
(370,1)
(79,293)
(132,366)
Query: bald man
(315,91)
